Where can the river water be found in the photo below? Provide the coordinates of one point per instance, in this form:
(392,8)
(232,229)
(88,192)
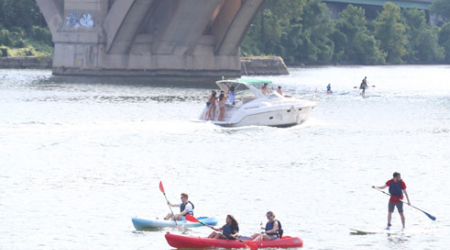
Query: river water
(81,156)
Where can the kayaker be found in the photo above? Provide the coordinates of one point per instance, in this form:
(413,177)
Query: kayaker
(186,207)
(396,188)
(229,231)
(273,229)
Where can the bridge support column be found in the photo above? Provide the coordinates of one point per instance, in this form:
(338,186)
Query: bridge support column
(148,37)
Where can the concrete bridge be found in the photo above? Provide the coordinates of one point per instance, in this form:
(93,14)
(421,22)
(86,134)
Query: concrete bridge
(148,37)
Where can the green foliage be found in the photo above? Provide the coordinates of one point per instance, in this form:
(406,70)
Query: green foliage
(391,33)
(20,13)
(355,42)
(444,40)
(5,38)
(315,45)
(19,43)
(422,44)
(41,34)
(23,29)
(441,8)
(5,51)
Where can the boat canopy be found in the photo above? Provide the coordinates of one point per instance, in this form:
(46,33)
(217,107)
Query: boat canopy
(244,86)
(254,81)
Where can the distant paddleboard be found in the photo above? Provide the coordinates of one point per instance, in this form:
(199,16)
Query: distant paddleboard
(375,231)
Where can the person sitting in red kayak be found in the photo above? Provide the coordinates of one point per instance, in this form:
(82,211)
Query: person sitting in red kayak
(273,229)
(229,231)
(186,207)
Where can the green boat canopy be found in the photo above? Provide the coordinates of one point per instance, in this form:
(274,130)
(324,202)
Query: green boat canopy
(253,81)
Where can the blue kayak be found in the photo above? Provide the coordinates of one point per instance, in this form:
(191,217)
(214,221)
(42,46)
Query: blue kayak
(141,224)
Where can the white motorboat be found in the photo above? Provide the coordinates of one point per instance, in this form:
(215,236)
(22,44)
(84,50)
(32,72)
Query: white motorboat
(252,107)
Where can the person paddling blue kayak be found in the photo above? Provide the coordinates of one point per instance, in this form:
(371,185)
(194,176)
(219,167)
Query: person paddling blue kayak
(186,207)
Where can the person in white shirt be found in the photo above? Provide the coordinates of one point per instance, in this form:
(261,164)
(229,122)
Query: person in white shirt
(186,207)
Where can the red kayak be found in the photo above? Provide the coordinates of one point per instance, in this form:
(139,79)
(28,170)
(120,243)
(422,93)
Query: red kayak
(181,241)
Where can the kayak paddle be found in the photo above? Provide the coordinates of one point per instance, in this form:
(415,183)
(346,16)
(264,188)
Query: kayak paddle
(161,187)
(193,219)
(249,244)
(427,214)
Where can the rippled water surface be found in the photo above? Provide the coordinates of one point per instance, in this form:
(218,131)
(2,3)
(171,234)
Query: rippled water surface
(81,156)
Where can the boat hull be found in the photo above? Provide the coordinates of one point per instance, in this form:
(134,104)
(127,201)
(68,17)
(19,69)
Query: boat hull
(282,117)
(142,224)
(181,241)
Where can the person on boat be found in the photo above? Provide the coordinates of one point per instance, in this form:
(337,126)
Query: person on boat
(221,107)
(186,207)
(329,88)
(363,86)
(280,91)
(396,188)
(229,231)
(211,112)
(273,229)
(265,89)
(232,95)
(209,97)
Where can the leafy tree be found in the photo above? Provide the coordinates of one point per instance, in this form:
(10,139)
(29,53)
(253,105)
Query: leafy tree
(444,40)
(391,33)
(441,8)
(314,45)
(359,45)
(423,44)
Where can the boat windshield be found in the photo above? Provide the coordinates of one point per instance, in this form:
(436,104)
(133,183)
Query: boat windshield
(274,95)
(244,92)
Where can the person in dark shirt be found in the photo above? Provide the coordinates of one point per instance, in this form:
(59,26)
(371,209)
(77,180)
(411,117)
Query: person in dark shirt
(229,231)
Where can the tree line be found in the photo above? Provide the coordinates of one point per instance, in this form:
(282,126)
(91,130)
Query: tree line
(302,32)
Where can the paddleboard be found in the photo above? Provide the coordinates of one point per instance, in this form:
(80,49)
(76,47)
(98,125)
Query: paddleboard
(375,231)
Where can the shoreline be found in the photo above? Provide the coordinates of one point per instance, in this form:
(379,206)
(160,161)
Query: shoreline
(249,65)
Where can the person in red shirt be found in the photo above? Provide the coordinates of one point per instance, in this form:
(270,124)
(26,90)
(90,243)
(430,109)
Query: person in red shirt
(396,188)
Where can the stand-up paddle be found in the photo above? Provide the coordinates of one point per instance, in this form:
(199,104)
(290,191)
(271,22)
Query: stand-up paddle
(249,244)
(161,187)
(427,214)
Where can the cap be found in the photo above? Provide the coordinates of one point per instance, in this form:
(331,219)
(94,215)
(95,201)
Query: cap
(270,213)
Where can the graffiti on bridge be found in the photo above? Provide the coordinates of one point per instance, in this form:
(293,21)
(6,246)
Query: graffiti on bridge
(85,59)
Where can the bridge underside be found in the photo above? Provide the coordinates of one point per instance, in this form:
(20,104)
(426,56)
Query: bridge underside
(148,37)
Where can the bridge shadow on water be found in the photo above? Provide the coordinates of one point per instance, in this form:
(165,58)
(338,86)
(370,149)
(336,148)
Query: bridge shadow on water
(166,82)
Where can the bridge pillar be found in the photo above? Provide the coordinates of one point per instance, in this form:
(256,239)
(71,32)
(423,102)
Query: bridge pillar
(148,37)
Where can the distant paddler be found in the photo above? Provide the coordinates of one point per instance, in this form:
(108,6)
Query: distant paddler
(363,86)
(329,88)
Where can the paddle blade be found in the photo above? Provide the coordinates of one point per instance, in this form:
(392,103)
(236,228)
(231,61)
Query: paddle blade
(430,216)
(191,218)
(250,244)
(161,187)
